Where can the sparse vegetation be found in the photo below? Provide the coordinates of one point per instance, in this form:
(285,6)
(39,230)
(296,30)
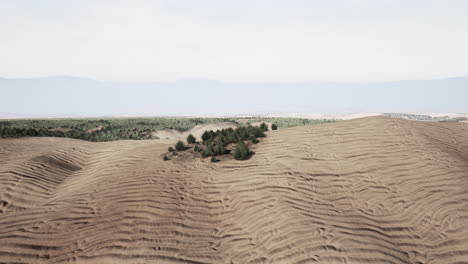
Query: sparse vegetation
(264,127)
(94,129)
(166,157)
(283,122)
(274,127)
(170,149)
(99,129)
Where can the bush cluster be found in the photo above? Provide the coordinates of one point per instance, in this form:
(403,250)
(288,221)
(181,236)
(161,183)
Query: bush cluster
(214,143)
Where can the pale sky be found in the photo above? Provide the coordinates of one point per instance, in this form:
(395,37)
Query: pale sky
(241,40)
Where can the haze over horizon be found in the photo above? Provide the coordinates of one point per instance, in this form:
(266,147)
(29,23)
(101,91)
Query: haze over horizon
(275,41)
(73,96)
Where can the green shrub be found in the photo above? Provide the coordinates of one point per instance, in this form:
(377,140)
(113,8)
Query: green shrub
(205,136)
(209,150)
(242,151)
(264,127)
(180,146)
(191,139)
(196,148)
(170,149)
(213,159)
(254,140)
(166,157)
(274,127)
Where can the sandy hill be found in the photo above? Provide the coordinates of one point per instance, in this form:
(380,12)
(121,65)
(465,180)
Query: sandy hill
(371,190)
(197,131)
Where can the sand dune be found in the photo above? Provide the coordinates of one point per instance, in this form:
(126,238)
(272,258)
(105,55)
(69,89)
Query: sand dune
(370,190)
(197,131)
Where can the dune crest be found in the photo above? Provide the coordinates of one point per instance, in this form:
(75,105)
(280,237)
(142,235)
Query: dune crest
(369,190)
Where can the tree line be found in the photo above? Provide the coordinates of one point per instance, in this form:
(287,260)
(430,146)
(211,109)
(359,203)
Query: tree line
(98,129)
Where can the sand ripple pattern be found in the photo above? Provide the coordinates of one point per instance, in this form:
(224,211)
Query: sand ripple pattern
(371,190)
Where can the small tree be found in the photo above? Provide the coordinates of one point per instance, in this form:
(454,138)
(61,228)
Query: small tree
(274,127)
(242,151)
(191,139)
(264,127)
(180,146)
(253,139)
(205,136)
(209,150)
(170,149)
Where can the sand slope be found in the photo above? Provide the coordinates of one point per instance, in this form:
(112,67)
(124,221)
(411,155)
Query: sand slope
(371,190)
(197,131)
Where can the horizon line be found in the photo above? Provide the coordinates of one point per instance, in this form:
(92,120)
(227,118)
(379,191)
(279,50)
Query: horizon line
(223,81)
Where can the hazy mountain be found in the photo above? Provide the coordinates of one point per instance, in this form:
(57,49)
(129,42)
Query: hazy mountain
(69,96)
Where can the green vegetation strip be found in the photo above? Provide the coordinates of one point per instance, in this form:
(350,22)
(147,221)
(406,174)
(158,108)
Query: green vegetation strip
(124,128)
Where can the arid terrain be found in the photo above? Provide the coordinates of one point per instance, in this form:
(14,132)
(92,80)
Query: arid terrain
(369,190)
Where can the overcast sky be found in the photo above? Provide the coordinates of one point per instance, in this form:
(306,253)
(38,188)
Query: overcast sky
(241,40)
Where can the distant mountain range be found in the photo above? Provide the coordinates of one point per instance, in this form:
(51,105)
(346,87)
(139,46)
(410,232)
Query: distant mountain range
(74,96)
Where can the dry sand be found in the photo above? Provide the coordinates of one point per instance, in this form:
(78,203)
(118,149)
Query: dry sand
(197,131)
(371,190)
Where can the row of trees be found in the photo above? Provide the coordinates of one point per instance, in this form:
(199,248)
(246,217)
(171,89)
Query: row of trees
(99,129)
(215,143)
(121,128)
(104,134)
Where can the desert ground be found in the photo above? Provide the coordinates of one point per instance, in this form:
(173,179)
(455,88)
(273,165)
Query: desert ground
(368,190)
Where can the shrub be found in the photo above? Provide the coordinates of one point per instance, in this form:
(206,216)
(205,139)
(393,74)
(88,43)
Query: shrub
(274,127)
(213,159)
(166,157)
(170,149)
(257,132)
(242,151)
(219,150)
(254,140)
(209,150)
(191,139)
(180,146)
(196,148)
(264,127)
(205,136)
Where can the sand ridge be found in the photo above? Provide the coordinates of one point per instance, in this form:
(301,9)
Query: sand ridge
(370,190)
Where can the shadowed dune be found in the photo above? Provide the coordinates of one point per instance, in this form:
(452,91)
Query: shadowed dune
(370,190)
